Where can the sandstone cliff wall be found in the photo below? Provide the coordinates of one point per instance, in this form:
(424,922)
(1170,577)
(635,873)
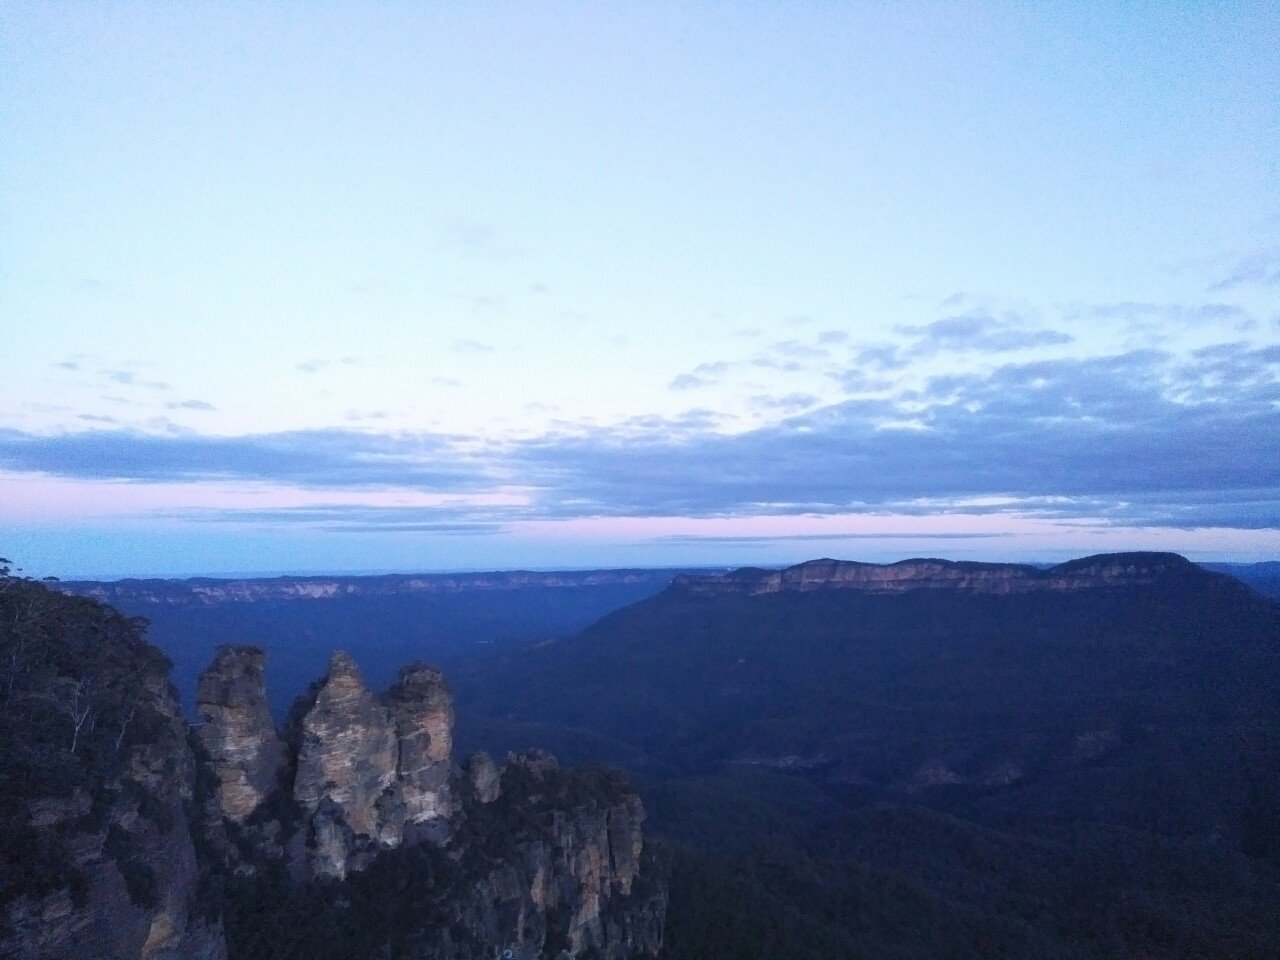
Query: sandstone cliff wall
(523,856)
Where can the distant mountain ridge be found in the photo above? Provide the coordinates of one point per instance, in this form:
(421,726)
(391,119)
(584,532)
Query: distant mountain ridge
(933,759)
(1116,569)
(388,619)
(902,677)
(215,590)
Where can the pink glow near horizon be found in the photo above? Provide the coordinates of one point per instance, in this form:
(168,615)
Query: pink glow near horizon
(136,514)
(33,497)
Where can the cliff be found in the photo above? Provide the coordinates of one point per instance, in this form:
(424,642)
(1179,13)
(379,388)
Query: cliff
(368,804)
(207,591)
(1089,573)
(97,858)
(237,733)
(126,834)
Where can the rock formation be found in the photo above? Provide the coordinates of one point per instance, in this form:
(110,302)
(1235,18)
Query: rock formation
(1104,570)
(244,751)
(526,856)
(484,777)
(577,882)
(130,835)
(346,770)
(98,859)
(422,708)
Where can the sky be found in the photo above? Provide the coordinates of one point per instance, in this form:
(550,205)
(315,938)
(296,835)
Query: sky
(344,287)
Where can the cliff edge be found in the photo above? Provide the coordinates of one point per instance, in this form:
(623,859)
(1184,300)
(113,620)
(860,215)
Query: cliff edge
(370,815)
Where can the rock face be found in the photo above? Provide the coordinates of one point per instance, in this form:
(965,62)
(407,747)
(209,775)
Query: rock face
(245,753)
(128,835)
(346,770)
(98,858)
(1104,570)
(526,856)
(577,882)
(372,772)
(422,708)
(484,777)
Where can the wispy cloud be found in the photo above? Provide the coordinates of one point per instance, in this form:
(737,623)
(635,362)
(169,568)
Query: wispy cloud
(800,350)
(978,332)
(1142,437)
(316,364)
(190,405)
(132,379)
(1260,269)
(471,347)
(316,458)
(689,381)
(787,404)
(693,538)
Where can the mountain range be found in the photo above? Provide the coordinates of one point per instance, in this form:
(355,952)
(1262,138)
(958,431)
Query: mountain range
(927,759)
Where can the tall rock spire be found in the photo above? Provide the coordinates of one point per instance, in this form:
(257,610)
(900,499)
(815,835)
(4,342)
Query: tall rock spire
(422,707)
(245,753)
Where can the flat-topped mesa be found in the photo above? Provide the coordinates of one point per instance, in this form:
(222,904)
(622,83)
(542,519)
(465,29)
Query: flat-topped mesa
(1103,570)
(245,752)
(422,707)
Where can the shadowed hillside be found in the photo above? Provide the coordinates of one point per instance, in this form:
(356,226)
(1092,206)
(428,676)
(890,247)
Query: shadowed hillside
(935,759)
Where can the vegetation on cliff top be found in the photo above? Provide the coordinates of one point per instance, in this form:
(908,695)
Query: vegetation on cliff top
(79,687)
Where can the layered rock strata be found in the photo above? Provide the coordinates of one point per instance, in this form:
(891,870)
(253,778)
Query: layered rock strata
(577,880)
(528,857)
(244,751)
(1104,570)
(422,708)
(346,770)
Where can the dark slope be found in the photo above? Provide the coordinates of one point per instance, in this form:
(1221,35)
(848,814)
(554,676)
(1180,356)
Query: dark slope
(931,759)
(1158,674)
(1263,577)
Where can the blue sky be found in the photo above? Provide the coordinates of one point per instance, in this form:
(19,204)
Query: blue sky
(414,286)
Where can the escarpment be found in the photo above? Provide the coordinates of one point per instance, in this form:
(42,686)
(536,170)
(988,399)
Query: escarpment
(127,834)
(97,856)
(523,856)
(1089,573)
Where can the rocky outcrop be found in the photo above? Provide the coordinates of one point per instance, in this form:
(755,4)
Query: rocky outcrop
(98,858)
(372,772)
(129,835)
(347,770)
(484,778)
(577,880)
(422,708)
(245,753)
(1104,570)
(137,868)
(524,856)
